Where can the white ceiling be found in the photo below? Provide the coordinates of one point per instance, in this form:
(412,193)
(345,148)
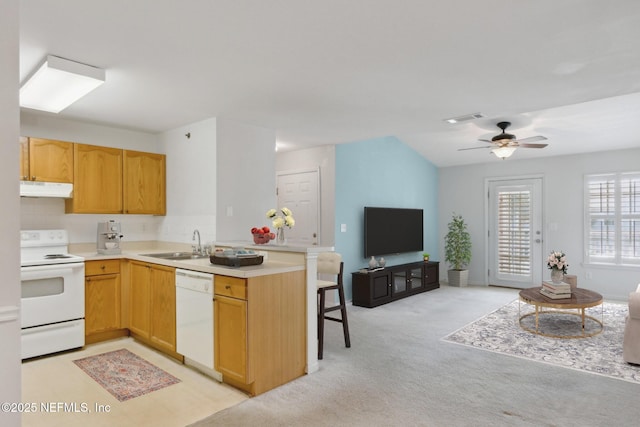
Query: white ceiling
(335,71)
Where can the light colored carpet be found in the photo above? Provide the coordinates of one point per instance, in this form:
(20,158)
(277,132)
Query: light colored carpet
(124,374)
(601,354)
(399,372)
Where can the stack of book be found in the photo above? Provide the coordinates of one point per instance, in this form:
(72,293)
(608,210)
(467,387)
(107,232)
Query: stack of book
(556,290)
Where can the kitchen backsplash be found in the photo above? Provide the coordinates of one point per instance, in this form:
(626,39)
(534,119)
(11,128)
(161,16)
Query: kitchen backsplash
(45,213)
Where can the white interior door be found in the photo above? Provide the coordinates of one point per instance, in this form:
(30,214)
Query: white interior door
(515,233)
(299,192)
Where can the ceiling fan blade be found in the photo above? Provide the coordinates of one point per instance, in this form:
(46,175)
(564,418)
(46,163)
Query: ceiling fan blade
(474,148)
(486,140)
(532,145)
(533,139)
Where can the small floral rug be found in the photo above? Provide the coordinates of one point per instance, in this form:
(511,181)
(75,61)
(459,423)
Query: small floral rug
(601,354)
(124,374)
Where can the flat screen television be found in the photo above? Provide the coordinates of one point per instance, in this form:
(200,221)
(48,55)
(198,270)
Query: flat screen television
(392,231)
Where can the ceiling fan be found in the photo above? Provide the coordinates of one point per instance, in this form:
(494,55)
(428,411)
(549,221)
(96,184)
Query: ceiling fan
(504,144)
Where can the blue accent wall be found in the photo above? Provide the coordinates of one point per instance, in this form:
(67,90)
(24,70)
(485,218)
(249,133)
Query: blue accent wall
(381,172)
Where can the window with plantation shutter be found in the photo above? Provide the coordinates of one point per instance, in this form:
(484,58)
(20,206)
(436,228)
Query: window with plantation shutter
(514,232)
(612,223)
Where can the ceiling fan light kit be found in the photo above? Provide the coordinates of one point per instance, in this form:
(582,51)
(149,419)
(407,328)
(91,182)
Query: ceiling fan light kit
(503,152)
(505,144)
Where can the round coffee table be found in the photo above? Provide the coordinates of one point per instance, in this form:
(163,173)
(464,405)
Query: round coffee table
(581,299)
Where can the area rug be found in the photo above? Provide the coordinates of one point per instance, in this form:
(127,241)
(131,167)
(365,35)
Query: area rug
(601,354)
(124,374)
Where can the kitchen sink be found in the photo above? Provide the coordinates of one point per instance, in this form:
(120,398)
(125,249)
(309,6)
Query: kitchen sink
(176,256)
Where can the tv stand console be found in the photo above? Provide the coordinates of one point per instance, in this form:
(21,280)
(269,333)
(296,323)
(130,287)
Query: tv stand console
(373,288)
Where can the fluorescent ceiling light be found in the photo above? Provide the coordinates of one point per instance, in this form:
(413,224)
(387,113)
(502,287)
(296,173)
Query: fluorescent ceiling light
(59,83)
(503,152)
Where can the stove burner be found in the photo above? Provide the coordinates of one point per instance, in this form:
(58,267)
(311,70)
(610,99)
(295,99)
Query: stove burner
(56,256)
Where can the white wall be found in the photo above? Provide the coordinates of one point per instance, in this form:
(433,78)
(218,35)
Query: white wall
(246,180)
(52,127)
(43,213)
(191,182)
(10,389)
(462,191)
(324,159)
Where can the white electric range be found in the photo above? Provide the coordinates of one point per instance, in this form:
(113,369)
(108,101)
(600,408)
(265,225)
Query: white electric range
(52,293)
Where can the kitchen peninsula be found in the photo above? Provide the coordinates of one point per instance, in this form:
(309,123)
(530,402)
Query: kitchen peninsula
(283,284)
(306,256)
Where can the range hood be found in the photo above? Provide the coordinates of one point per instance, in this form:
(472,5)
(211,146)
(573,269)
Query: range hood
(46,189)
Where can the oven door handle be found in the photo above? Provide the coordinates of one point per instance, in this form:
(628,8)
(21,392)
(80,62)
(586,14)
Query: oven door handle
(43,271)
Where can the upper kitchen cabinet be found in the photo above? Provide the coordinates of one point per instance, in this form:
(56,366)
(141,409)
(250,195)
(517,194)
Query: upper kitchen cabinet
(144,186)
(97,180)
(24,158)
(46,160)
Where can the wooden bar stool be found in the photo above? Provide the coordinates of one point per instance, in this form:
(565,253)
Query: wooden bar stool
(331,263)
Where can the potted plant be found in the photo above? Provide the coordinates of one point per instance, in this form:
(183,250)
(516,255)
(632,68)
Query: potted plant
(425,256)
(457,248)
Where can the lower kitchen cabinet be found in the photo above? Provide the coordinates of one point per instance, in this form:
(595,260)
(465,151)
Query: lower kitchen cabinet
(152,305)
(260,330)
(103,301)
(139,298)
(163,307)
(231,340)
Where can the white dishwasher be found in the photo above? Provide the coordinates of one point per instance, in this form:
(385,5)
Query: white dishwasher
(194,320)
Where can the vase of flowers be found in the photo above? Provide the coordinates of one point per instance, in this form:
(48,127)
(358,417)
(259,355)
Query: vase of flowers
(280,221)
(557,263)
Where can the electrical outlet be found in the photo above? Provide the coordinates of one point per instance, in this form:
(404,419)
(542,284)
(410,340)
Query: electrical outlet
(343,228)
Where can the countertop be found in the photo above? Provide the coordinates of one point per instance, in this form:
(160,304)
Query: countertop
(201,264)
(305,249)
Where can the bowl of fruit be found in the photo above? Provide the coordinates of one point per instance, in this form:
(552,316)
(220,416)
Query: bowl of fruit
(262,235)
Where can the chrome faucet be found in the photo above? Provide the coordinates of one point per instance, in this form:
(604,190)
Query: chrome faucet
(197,249)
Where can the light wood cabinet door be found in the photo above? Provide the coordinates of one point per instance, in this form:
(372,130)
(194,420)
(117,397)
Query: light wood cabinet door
(139,298)
(163,307)
(102,303)
(144,187)
(50,161)
(24,159)
(97,180)
(230,337)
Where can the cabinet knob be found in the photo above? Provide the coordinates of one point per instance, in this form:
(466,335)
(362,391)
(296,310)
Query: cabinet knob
(229,287)
(103,266)
(33,178)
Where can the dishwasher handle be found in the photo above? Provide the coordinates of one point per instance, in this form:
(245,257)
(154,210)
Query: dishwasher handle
(193,274)
(194,280)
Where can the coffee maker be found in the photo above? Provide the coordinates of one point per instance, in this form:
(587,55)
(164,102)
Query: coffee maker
(109,237)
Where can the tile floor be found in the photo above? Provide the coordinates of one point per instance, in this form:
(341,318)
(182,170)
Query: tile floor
(56,379)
